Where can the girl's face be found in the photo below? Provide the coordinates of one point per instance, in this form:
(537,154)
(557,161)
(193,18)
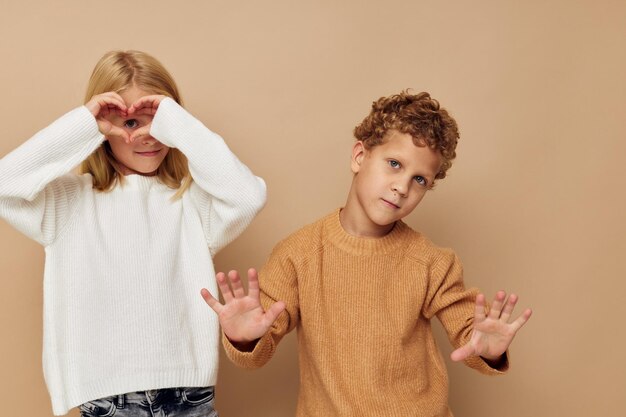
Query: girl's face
(144,155)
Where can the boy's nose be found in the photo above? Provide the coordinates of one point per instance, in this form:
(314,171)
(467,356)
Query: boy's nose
(399,187)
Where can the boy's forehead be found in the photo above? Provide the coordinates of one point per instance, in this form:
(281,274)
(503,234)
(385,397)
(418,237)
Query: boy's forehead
(395,137)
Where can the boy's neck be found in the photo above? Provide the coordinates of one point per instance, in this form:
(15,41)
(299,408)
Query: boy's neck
(355,226)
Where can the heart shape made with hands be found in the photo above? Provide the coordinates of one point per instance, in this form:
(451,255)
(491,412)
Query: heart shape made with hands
(103,106)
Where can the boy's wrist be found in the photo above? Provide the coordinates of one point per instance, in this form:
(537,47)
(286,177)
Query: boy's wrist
(495,363)
(243,346)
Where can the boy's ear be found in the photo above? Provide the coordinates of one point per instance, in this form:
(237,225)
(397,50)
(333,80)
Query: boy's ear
(358,153)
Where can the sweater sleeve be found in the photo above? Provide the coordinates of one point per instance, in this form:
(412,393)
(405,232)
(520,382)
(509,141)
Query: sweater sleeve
(453,305)
(278,281)
(231,195)
(36,195)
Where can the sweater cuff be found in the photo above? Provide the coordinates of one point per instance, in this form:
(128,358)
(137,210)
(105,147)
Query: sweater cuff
(172,121)
(256,358)
(482,366)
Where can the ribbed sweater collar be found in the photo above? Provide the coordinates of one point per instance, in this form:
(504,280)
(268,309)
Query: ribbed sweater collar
(357,245)
(141,182)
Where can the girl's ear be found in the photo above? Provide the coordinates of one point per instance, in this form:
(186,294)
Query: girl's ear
(358,153)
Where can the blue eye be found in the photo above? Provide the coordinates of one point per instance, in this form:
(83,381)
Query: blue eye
(421,180)
(394,164)
(131,124)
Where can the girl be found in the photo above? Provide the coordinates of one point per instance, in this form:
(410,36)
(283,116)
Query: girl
(129,242)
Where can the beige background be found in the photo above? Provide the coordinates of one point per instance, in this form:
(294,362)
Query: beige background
(534,204)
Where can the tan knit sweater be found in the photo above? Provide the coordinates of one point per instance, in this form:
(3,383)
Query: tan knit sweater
(362,308)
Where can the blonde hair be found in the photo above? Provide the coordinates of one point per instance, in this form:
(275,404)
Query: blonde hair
(117,71)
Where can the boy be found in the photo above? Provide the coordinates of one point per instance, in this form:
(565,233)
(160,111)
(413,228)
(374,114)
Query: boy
(361,286)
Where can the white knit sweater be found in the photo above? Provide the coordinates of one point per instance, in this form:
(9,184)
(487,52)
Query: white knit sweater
(124,269)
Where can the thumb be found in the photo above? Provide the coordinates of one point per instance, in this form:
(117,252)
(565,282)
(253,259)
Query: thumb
(462,353)
(143,131)
(272,313)
(109,130)
(104,126)
(211,301)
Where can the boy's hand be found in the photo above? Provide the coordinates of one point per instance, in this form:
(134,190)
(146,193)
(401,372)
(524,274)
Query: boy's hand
(103,105)
(146,105)
(492,333)
(242,317)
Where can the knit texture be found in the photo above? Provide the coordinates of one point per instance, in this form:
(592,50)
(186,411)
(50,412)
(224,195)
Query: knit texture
(124,268)
(362,309)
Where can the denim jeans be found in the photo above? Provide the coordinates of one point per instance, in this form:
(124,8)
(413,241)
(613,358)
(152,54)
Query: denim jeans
(170,402)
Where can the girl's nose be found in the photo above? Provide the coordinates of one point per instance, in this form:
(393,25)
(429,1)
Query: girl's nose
(148,140)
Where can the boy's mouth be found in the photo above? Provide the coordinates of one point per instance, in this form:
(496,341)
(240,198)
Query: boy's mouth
(390,204)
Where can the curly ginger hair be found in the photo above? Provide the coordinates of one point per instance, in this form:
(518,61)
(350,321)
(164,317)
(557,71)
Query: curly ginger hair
(418,115)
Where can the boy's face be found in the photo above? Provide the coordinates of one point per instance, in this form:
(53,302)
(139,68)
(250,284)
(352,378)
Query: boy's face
(389,182)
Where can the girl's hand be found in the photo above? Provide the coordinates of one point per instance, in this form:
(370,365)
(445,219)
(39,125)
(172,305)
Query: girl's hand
(104,105)
(492,332)
(146,105)
(242,317)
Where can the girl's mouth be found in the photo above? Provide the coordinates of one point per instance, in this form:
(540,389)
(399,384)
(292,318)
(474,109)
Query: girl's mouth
(149,153)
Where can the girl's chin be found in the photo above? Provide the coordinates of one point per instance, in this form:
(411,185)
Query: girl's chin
(150,172)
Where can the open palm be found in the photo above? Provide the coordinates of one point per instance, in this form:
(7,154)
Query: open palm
(492,333)
(242,317)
